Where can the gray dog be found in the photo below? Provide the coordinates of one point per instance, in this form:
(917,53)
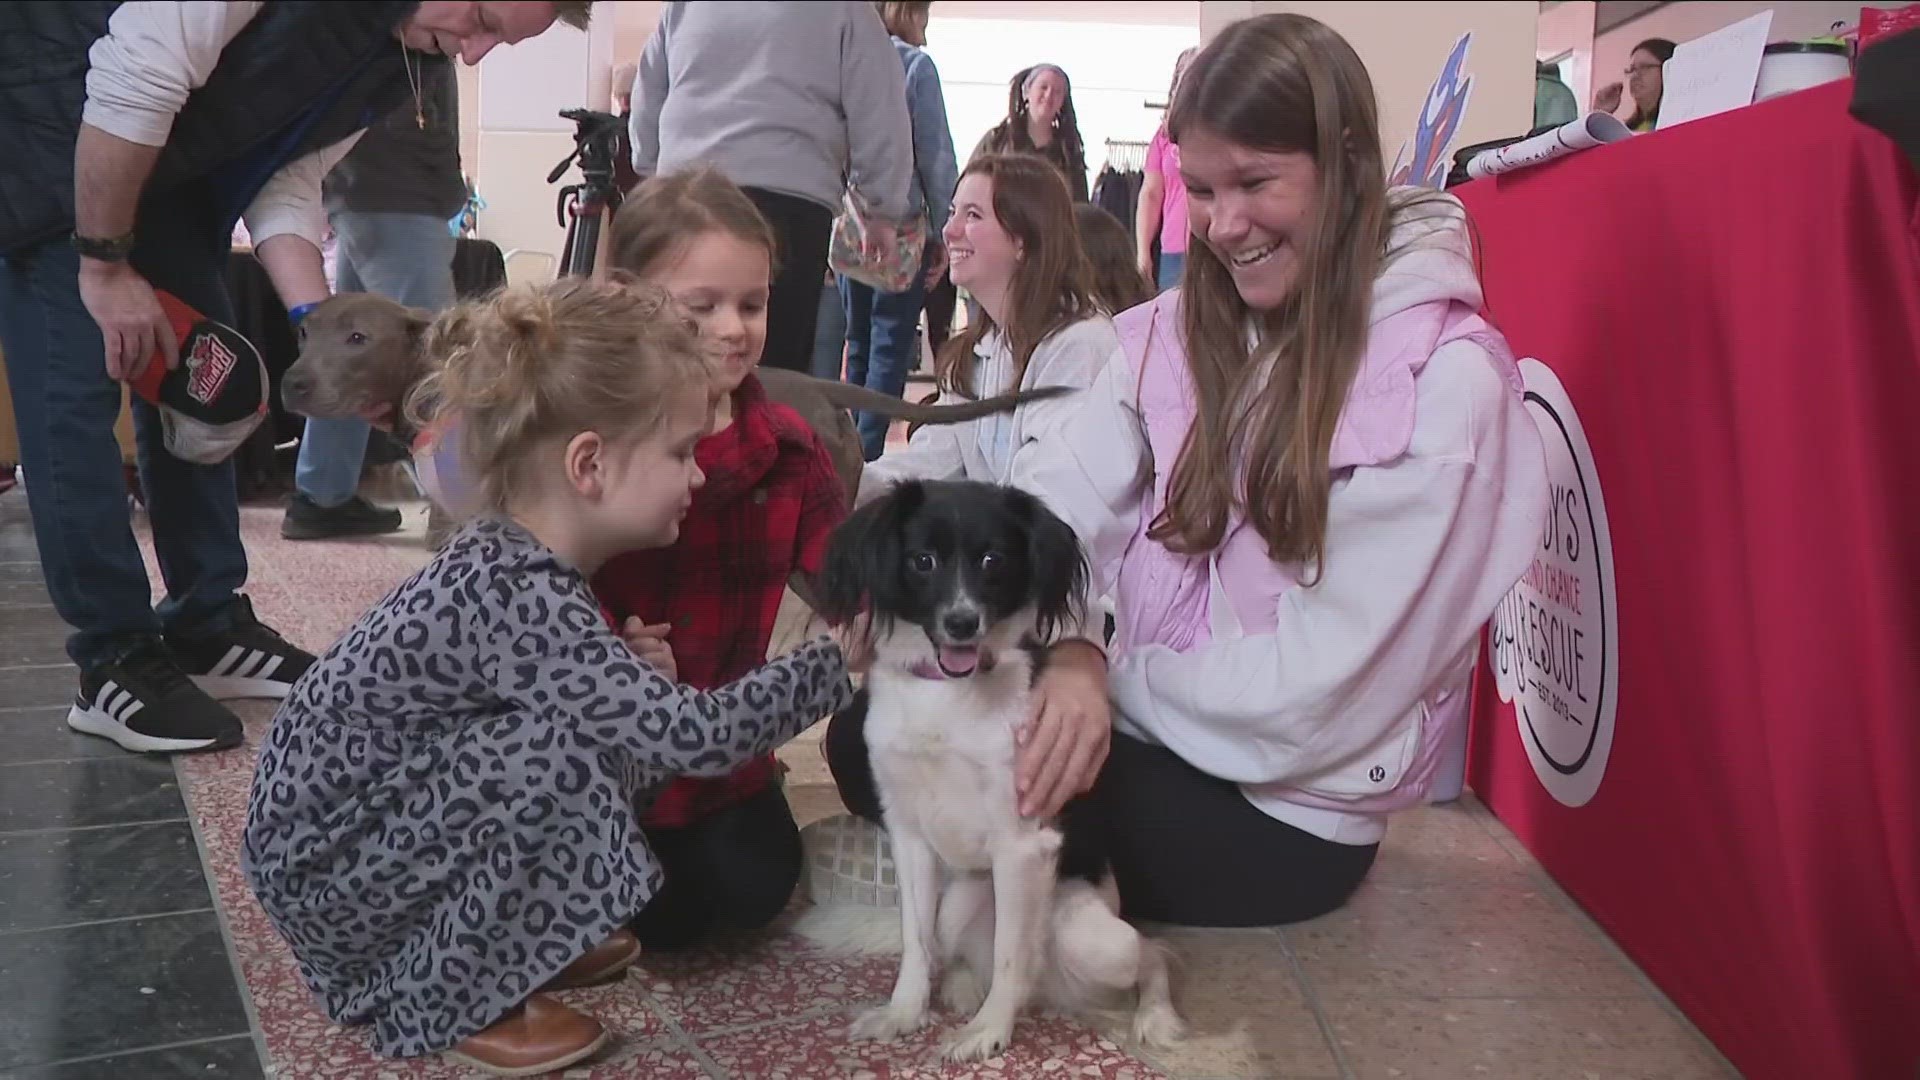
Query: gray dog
(360,356)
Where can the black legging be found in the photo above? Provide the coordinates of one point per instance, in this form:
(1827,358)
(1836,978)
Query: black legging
(1186,848)
(804,231)
(733,870)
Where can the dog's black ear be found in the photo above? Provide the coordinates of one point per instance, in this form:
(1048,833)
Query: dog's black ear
(864,553)
(908,496)
(1058,564)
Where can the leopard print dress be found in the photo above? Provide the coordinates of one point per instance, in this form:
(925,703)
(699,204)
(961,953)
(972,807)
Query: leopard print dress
(443,813)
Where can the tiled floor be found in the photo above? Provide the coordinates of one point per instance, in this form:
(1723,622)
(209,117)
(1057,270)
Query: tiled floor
(125,930)
(112,958)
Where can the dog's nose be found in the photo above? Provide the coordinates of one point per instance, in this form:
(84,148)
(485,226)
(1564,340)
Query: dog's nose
(960,625)
(295,384)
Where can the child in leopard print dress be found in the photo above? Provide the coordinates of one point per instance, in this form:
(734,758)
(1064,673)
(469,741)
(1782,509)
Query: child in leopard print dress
(442,821)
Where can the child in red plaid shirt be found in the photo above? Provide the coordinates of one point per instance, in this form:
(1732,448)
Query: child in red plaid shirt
(730,846)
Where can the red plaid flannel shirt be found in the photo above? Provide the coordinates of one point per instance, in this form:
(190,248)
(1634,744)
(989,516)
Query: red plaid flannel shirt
(771,499)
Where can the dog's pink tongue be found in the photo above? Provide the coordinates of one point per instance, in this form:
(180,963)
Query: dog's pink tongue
(958,660)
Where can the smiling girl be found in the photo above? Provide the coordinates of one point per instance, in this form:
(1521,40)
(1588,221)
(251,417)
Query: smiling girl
(1306,477)
(441,823)
(707,603)
(1040,120)
(1012,244)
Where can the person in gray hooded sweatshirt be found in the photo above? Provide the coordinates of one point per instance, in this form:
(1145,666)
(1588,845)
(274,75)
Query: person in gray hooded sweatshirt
(791,101)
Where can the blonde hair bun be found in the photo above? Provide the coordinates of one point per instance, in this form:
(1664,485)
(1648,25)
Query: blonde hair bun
(536,364)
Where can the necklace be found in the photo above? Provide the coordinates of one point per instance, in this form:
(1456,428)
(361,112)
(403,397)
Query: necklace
(413,84)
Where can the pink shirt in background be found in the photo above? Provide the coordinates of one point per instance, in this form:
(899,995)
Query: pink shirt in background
(1164,158)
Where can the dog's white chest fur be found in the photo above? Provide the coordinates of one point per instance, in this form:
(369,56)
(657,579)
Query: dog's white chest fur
(977,880)
(943,755)
(957,575)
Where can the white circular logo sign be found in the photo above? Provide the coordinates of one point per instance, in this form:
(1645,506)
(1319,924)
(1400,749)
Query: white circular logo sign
(1555,638)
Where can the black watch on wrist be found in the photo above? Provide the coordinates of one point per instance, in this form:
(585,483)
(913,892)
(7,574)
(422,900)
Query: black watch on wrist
(111,249)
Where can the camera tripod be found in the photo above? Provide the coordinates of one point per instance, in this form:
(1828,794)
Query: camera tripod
(584,208)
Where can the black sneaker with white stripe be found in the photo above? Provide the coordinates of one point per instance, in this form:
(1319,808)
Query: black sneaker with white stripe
(246,660)
(143,701)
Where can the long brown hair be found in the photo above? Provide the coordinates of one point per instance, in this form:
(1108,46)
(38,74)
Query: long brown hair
(667,210)
(1050,287)
(899,15)
(1278,83)
(1113,275)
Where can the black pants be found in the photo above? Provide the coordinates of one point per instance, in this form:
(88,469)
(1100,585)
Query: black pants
(735,870)
(1186,848)
(803,230)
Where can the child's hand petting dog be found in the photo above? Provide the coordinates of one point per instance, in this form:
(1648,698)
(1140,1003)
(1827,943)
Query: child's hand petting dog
(649,643)
(855,638)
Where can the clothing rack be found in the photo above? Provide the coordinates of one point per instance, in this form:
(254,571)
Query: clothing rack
(1126,155)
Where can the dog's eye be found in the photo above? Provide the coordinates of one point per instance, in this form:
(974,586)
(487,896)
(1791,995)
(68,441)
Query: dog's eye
(921,561)
(356,338)
(990,561)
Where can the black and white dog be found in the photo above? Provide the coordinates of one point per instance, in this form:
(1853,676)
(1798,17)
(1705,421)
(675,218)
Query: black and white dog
(964,582)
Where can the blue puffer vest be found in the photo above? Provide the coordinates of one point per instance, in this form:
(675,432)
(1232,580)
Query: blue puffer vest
(302,75)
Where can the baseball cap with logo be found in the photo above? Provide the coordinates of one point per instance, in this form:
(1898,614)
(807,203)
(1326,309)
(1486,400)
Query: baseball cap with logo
(216,397)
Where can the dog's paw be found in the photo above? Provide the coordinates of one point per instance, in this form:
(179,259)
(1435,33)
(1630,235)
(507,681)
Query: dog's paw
(978,1041)
(886,1023)
(1158,1027)
(962,990)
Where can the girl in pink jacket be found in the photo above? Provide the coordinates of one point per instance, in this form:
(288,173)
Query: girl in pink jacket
(1306,480)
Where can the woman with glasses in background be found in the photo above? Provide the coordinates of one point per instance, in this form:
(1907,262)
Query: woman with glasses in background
(1646,66)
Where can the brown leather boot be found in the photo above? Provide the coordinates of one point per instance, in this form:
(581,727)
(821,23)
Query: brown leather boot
(604,962)
(541,1036)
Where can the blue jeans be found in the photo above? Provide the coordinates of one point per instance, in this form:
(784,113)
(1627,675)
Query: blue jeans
(883,338)
(1169,269)
(66,406)
(404,257)
(830,334)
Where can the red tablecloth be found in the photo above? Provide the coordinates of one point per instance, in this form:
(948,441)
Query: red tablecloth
(1728,701)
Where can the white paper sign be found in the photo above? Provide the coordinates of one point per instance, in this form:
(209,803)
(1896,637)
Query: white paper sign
(1714,73)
